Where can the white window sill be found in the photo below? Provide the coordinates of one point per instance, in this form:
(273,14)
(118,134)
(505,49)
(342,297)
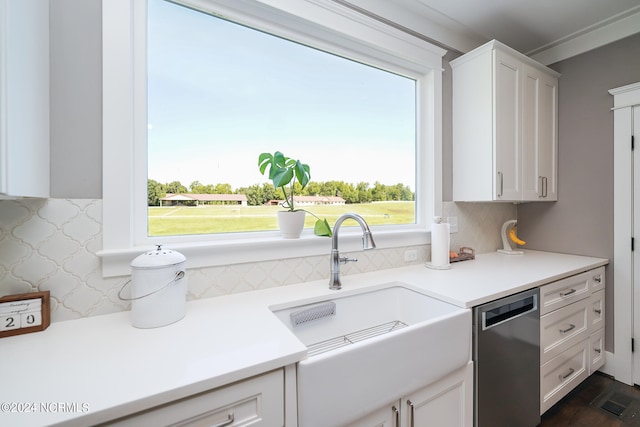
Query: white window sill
(211,254)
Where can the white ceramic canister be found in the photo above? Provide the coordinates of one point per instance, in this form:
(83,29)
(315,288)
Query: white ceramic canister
(158,288)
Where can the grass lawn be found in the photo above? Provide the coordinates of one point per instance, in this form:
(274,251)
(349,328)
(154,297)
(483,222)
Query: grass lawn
(224,219)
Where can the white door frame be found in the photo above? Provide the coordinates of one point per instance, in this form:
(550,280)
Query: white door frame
(624,99)
(635,126)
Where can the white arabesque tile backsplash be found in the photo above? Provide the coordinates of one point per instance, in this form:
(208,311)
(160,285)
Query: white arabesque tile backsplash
(52,245)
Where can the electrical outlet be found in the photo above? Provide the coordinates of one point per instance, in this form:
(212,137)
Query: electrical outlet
(410,255)
(453,224)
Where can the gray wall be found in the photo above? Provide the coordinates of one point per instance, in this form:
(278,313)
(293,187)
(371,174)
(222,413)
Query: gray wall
(76,99)
(581,221)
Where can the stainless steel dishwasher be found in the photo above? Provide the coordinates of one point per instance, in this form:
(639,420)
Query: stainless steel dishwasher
(506,354)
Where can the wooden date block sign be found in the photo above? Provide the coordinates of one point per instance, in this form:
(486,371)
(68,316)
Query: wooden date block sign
(24,313)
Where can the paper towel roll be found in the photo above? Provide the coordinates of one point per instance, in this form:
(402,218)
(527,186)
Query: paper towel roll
(439,244)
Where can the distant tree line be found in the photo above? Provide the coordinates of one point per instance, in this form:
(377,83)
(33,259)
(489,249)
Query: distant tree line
(259,194)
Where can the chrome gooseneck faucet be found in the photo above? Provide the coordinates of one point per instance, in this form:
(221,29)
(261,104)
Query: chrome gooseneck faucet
(336,259)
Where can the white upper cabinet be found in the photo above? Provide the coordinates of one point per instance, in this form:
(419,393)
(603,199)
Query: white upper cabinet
(505,127)
(540,135)
(24,98)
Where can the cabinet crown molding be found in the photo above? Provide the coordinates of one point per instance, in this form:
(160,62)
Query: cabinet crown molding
(496,45)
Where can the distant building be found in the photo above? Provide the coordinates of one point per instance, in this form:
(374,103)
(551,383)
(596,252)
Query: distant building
(311,201)
(204,199)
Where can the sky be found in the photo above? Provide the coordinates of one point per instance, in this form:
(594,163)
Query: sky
(219,94)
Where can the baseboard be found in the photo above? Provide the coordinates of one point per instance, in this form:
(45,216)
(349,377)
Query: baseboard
(609,364)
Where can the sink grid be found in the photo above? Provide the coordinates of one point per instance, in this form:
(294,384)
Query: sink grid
(353,337)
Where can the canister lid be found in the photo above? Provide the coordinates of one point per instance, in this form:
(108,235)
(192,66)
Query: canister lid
(158,258)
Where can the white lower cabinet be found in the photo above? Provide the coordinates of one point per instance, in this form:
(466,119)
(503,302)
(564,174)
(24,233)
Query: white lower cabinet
(596,310)
(257,401)
(562,373)
(571,333)
(596,351)
(447,402)
(563,328)
(387,416)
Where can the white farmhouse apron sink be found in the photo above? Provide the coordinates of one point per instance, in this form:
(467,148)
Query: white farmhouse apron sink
(372,347)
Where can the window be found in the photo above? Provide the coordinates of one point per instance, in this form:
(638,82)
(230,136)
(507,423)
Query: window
(220,93)
(323,30)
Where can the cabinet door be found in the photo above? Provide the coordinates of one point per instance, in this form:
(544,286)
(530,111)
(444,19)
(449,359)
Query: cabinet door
(532,181)
(596,311)
(562,374)
(563,328)
(258,401)
(474,171)
(507,125)
(548,131)
(448,402)
(566,291)
(539,136)
(597,281)
(597,356)
(388,416)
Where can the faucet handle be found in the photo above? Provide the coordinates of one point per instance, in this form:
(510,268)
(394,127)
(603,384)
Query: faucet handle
(344,259)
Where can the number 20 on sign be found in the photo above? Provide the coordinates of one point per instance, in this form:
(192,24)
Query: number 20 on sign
(24,313)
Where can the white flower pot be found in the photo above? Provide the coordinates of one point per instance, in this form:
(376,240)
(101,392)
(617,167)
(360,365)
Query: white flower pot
(291,223)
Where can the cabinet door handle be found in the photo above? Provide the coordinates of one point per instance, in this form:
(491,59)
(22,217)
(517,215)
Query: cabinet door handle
(569,292)
(541,187)
(597,279)
(396,416)
(571,327)
(597,350)
(411,415)
(567,375)
(230,419)
(597,311)
(500,184)
(545,187)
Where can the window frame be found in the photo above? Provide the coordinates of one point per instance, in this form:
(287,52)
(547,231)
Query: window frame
(322,24)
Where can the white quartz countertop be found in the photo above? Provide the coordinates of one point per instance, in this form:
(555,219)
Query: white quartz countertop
(87,371)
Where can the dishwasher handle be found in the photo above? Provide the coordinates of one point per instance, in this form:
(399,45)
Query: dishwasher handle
(495,316)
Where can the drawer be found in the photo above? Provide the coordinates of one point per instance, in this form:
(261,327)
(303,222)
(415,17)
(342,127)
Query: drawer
(597,279)
(596,356)
(258,401)
(558,294)
(562,373)
(563,328)
(596,311)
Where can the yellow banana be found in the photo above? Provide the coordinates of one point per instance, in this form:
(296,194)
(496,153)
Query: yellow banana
(514,238)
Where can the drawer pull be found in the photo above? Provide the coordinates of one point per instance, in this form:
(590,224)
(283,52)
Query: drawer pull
(597,350)
(567,375)
(411,414)
(569,292)
(541,187)
(597,311)
(230,419)
(597,279)
(570,328)
(396,416)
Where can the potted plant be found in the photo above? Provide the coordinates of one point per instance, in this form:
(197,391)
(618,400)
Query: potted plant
(283,172)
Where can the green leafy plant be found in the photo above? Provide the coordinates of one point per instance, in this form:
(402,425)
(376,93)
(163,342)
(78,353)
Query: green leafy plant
(283,172)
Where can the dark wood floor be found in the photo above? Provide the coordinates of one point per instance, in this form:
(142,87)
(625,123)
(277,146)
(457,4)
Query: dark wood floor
(583,407)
